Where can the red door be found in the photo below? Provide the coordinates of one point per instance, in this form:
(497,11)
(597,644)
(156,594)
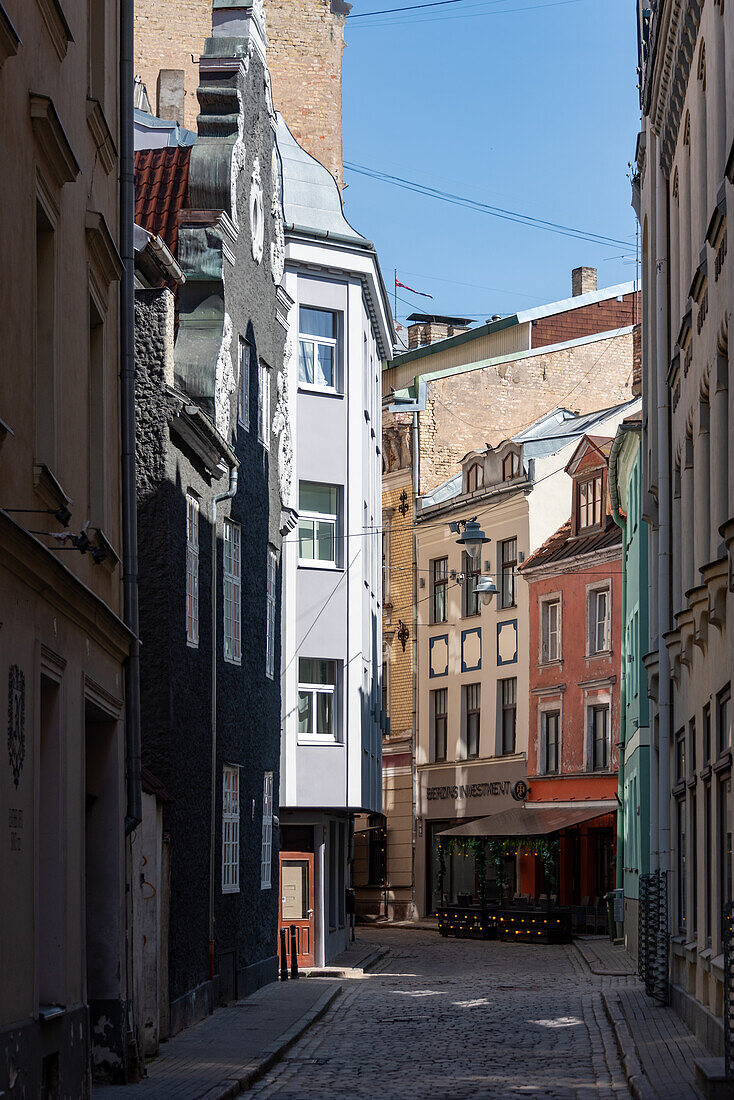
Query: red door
(296,903)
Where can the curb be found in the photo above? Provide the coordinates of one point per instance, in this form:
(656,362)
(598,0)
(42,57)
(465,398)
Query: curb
(368,962)
(603,973)
(258,1067)
(639,1084)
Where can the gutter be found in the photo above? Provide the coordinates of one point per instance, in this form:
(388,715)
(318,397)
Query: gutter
(134,808)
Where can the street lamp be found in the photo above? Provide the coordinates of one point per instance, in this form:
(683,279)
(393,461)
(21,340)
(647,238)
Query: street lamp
(486,588)
(472,537)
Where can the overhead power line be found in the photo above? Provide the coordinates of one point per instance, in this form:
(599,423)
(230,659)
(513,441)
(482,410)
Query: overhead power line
(385,13)
(484,208)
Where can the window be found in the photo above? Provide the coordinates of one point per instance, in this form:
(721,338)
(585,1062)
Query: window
(723,706)
(475,477)
(232,592)
(440,579)
(266,853)
(317,698)
(439,702)
(318,507)
(708,878)
(472,700)
(692,746)
(192,570)
(680,808)
(599,737)
(243,403)
(508,561)
(599,632)
(317,348)
(550,726)
(510,466)
(706,734)
(508,705)
(550,647)
(231,831)
(97,433)
(680,756)
(724,842)
(589,502)
(263,419)
(270,621)
(472,569)
(45,324)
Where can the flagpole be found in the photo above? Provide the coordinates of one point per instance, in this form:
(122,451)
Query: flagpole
(395,294)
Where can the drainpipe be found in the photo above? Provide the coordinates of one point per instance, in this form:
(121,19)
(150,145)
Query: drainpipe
(414,643)
(134,810)
(621,522)
(212,824)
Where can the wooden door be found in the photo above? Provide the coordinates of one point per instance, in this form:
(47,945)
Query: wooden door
(297,904)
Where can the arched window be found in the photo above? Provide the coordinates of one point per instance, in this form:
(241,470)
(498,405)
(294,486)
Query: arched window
(510,466)
(475,477)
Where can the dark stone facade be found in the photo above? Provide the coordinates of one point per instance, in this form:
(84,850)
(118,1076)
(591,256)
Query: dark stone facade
(187,424)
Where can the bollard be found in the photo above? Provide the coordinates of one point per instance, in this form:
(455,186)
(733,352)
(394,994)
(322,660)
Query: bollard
(294,953)
(283,956)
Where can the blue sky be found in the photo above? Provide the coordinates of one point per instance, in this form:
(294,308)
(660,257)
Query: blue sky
(532,110)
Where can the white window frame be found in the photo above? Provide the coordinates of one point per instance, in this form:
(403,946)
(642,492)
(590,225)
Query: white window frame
(594,623)
(192,570)
(546,656)
(271,607)
(232,591)
(230,829)
(266,853)
(263,405)
(312,736)
(243,397)
(333,343)
(320,517)
(590,505)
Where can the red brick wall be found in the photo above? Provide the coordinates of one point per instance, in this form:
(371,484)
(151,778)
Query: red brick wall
(575,323)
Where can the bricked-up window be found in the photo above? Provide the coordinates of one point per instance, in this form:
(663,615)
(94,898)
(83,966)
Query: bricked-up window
(508,714)
(232,590)
(475,477)
(508,563)
(266,855)
(589,502)
(439,705)
(317,348)
(317,698)
(263,397)
(231,830)
(510,466)
(599,625)
(440,586)
(192,569)
(471,568)
(599,737)
(550,730)
(472,705)
(243,403)
(550,647)
(270,620)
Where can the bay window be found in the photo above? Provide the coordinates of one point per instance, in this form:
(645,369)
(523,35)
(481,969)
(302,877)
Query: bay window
(318,507)
(317,698)
(317,348)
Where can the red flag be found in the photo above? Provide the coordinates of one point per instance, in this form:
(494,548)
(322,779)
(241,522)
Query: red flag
(410,288)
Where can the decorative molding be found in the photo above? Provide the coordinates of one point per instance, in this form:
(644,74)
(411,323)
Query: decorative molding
(49,489)
(432,644)
(101,136)
(102,698)
(698,601)
(509,628)
(474,633)
(102,249)
(58,28)
(52,140)
(10,40)
(716,578)
(257,213)
(277,243)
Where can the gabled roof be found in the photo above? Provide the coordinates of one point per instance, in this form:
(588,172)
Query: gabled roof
(562,546)
(602,444)
(162,191)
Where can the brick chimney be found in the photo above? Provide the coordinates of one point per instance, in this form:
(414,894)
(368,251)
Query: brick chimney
(583,280)
(170,94)
(427,329)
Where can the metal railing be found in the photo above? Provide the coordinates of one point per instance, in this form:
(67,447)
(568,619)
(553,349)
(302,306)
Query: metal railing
(728,938)
(653,936)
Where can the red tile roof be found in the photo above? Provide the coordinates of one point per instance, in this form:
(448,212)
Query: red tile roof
(161,190)
(562,547)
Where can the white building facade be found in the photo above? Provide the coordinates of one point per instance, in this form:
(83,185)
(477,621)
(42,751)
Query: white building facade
(331,761)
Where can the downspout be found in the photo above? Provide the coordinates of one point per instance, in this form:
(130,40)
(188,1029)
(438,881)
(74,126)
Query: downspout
(233,473)
(134,809)
(416,486)
(621,522)
(662,239)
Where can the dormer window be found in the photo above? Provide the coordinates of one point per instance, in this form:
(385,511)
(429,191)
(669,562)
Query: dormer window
(510,466)
(589,502)
(474,477)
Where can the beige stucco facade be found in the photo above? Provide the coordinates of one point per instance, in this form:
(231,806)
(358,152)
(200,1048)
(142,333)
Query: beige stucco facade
(63,645)
(685,164)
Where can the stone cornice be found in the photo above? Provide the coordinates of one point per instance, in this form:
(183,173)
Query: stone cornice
(58,28)
(100,131)
(9,37)
(102,249)
(674,35)
(52,140)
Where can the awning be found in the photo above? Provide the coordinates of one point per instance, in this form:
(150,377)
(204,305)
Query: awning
(529,820)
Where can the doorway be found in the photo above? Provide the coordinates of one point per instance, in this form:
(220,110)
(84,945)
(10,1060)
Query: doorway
(297,903)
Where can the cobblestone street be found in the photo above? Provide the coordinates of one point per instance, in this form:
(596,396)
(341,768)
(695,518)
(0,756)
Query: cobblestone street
(460,1019)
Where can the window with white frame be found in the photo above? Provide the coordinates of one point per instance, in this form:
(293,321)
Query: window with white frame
(192,569)
(243,403)
(270,622)
(475,477)
(589,502)
(550,616)
(317,698)
(266,856)
(231,830)
(318,509)
(550,741)
(599,625)
(232,591)
(317,348)
(598,719)
(263,408)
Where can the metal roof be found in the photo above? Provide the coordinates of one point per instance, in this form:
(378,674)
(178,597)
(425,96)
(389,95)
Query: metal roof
(439,317)
(528,820)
